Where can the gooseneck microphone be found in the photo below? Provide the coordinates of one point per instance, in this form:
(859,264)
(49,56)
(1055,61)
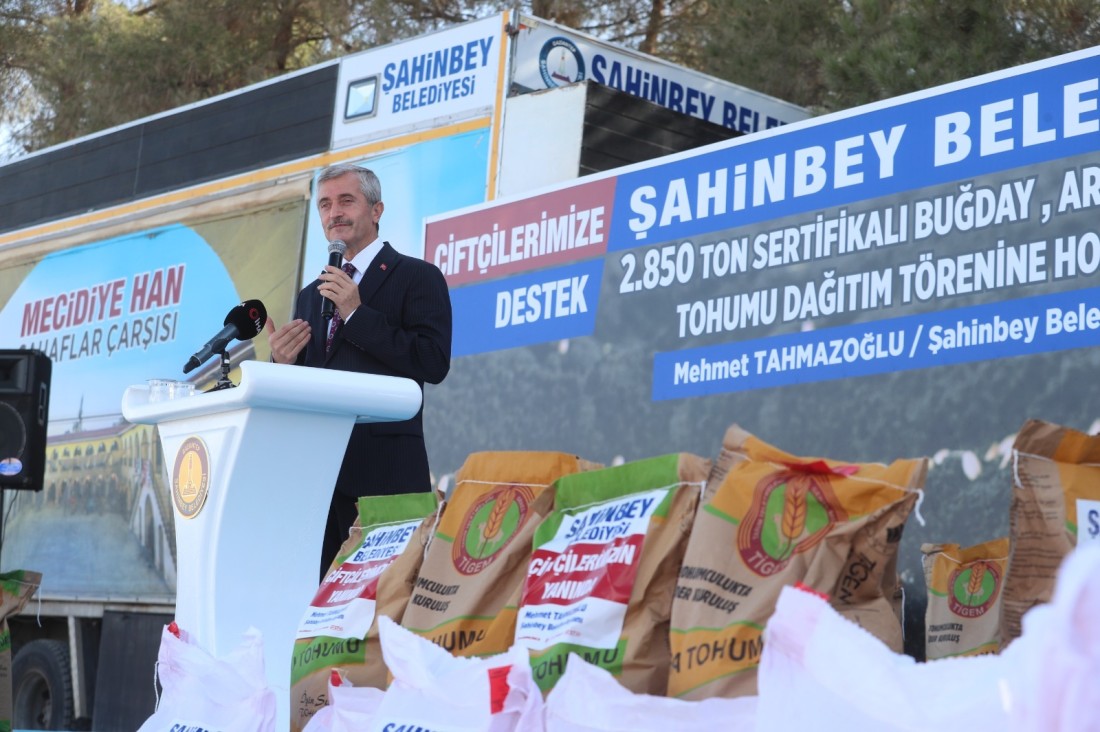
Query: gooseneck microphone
(244,322)
(335,254)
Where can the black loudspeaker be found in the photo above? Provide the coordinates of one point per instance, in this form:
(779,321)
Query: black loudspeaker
(24,414)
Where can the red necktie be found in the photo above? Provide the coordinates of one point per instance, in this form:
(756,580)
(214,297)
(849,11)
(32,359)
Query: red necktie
(334,324)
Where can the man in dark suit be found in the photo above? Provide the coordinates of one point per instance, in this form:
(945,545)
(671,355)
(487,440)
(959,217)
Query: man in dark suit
(393,318)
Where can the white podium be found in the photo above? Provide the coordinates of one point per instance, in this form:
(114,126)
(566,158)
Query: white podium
(251,471)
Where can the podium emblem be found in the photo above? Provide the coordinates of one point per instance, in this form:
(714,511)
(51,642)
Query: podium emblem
(191,477)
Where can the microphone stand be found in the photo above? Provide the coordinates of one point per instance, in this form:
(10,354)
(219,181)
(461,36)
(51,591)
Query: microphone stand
(223,382)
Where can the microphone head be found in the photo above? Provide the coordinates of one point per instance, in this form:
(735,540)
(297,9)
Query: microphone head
(248,318)
(336,246)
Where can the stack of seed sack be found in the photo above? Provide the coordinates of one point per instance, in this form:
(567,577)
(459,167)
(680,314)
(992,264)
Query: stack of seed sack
(978,594)
(665,571)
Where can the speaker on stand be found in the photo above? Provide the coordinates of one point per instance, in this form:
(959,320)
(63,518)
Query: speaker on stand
(24,415)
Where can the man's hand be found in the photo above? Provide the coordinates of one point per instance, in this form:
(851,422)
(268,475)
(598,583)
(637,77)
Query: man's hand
(337,286)
(287,342)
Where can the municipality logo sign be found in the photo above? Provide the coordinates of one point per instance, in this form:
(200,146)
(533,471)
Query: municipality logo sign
(560,62)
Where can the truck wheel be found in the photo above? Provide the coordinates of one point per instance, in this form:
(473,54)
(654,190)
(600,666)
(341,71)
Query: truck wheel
(42,686)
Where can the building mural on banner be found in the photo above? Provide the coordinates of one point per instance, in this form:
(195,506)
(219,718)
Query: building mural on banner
(110,313)
(913,278)
(548,55)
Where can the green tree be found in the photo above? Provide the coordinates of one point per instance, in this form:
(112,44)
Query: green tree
(884,49)
(72,67)
(836,54)
(771,46)
(87,66)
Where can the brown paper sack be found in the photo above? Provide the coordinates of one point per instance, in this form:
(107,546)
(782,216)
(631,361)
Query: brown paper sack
(1055,493)
(466,594)
(965,590)
(371,576)
(771,519)
(604,569)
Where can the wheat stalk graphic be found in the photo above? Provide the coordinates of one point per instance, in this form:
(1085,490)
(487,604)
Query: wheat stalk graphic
(795,507)
(974,586)
(495,522)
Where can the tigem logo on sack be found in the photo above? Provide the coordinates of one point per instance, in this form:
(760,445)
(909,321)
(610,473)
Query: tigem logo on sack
(973,589)
(489,526)
(790,513)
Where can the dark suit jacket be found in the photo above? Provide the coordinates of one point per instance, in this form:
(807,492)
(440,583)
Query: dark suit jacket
(402,328)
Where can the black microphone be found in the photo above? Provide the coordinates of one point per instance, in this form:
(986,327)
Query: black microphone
(244,321)
(335,254)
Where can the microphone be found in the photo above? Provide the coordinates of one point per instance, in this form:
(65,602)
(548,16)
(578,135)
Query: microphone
(244,321)
(335,254)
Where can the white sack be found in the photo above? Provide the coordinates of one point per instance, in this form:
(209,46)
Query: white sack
(443,693)
(1054,666)
(203,692)
(846,680)
(349,708)
(588,698)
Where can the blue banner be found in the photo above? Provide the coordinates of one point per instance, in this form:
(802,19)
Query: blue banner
(979,333)
(1018,120)
(547,305)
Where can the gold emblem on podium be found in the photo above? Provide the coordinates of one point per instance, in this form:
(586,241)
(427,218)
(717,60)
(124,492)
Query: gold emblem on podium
(191,477)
